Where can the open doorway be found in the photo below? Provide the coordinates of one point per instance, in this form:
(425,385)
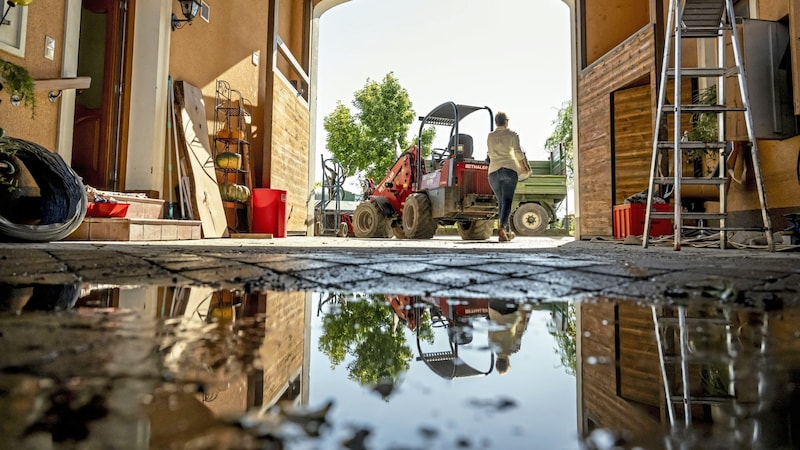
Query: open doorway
(97,137)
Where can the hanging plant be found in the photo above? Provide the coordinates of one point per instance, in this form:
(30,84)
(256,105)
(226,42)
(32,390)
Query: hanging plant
(19,83)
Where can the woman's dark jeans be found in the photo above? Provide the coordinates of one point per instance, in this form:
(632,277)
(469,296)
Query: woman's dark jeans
(504,183)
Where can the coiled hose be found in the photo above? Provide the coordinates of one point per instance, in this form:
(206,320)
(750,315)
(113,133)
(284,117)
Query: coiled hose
(62,198)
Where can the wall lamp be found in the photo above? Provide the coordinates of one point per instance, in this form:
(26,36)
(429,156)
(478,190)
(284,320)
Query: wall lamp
(189,8)
(11,4)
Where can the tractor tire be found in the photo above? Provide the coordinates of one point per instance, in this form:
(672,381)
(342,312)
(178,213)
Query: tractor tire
(477,230)
(369,221)
(418,221)
(530,219)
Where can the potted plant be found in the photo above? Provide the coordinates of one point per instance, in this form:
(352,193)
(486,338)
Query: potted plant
(19,83)
(705,128)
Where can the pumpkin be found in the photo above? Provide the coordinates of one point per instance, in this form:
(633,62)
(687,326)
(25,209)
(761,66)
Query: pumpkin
(228,161)
(223,134)
(230,192)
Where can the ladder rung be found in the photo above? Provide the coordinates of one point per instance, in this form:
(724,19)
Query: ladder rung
(702,400)
(697,181)
(694,320)
(693,145)
(703,358)
(688,215)
(697,108)
(693,227)
(698,72)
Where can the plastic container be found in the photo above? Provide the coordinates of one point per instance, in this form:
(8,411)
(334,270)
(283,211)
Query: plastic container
(269,211)
(629,220)
(107,209)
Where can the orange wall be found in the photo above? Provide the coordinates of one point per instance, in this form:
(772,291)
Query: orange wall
(222,49)
(45,18)
(609,22)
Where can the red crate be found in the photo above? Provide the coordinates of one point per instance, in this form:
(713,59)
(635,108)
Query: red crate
(629,220)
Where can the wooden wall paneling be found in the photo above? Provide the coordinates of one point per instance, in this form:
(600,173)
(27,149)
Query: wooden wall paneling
(633,141)
(629,62)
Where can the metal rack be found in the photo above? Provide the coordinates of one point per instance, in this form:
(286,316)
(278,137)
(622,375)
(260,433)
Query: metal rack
(232,134)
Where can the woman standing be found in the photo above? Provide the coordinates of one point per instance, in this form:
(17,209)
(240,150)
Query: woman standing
(506,163)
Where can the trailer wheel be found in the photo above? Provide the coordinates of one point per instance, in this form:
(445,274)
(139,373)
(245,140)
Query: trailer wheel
(369,222)
(476,230)
(398,232)
(418,221)
(530,219)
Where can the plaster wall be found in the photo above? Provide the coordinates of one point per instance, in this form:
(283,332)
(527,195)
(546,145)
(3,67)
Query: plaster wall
(44,19)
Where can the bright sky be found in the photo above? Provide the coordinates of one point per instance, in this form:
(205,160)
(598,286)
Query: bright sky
(510,55)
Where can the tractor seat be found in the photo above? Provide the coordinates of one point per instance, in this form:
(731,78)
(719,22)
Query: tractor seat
(464,146)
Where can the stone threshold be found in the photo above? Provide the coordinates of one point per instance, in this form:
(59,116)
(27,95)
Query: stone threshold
(134,229)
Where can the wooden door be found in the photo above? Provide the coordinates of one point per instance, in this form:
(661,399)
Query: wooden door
(96,138)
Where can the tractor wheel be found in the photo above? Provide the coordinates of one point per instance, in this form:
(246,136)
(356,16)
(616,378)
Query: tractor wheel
(530,219)
(369,222)
(477,230)
(418,221)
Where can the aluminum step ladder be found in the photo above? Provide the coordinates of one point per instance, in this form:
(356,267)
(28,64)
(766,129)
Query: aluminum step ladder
(696,372)
(700,19)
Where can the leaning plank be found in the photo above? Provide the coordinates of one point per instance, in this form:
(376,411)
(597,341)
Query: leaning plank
(196,149)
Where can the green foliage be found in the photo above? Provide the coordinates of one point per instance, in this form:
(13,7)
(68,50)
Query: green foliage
(19,83)
(562,135)
(566,337)
(363,328)
(365,140)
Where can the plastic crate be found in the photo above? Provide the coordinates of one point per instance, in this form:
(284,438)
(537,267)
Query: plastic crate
(629,220)
(107,209)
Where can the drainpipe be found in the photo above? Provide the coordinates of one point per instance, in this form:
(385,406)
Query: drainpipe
(575,153)
(319,10)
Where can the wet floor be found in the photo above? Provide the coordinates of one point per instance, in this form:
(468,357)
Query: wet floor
(135,367)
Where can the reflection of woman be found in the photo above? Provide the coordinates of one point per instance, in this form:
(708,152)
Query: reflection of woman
(505,336)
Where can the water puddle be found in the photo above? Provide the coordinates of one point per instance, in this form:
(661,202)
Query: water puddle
(175,367)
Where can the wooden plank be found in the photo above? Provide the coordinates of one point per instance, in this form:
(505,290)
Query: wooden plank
(206,199)
(794,32)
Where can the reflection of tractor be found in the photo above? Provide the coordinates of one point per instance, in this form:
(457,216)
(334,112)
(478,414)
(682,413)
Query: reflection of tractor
(418,195)
(453,315)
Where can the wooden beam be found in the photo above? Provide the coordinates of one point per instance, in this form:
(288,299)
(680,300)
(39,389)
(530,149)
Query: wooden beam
(60,84)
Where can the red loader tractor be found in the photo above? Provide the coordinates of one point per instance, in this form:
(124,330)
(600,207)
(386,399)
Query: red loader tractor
(447,188)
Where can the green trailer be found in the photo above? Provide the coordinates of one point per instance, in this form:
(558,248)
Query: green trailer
(538,197)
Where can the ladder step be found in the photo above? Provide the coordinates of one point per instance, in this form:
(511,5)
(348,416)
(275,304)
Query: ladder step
(696,181)
(703,358)
(698,72)
(698,32)
(693,145)
(694,320)
(697,108)
(688,215)
(702,400)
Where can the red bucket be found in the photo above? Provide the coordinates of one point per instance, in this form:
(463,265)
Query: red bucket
(269,211)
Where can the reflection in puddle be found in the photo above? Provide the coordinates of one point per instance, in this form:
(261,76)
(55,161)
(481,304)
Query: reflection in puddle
(171,367)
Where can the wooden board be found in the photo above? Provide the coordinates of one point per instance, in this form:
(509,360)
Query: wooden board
(206,200)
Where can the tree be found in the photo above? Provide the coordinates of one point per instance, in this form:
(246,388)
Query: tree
(562,135)
(362,328)
(365,140)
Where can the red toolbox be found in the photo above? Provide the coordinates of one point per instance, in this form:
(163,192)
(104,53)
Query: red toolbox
(629,219)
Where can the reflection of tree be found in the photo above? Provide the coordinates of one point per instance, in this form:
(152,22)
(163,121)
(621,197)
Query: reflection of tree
(563,329)
(362,327)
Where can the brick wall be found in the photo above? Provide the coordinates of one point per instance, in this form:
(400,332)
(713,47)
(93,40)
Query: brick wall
(288,169)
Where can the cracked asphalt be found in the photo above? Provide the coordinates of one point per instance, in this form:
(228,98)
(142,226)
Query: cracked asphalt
(541,268)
